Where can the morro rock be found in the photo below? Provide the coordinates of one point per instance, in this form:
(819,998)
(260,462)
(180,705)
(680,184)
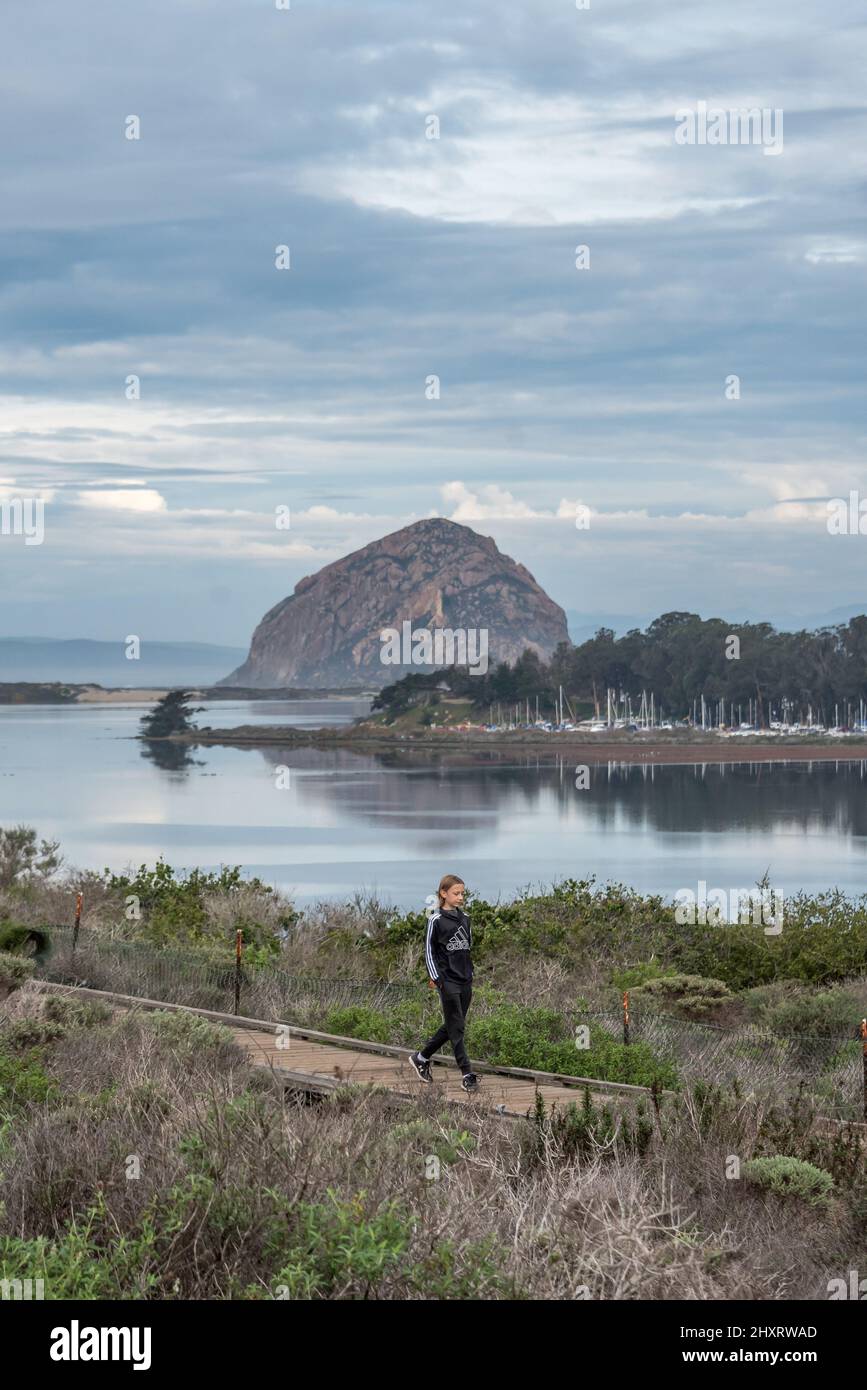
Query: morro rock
(434,574)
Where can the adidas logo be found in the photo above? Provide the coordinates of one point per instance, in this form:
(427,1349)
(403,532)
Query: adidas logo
(459,942)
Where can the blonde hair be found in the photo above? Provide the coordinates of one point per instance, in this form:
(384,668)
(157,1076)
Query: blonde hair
(446,882)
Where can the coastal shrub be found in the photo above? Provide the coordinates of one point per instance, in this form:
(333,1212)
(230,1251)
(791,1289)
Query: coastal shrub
(823,939)
(30,1031)
(634,976)
(513,1035)
(541,1040)
(72,1267)
(15,971)
(339,1245)
(427,1136)
(828,1013)
(179,908)
(578,1131)
(571,919)
(359,1021)
(688,996)
(23,1081)
(790,1177)
(346,1247)
(75,1013)
(187,1033)
(790,1127)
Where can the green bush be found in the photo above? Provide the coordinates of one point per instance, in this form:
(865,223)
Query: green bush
(23,1081)
(688,996)
(75,1013)
(641,974)
(174,910)
(540,1040)
(15,971)
(790,1177)
(425,1136)
(71,1267)
(340,1242)
(829,1013)
(359,1021)
(824,938)
(30,1032)
(187,1033)
(342,1247)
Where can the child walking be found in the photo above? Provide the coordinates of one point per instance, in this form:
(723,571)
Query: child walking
(448,942)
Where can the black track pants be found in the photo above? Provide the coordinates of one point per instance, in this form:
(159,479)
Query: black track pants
(455,1000)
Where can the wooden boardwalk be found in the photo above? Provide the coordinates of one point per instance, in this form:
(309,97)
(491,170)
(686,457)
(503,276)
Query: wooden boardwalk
(332,1066)
(310,1061)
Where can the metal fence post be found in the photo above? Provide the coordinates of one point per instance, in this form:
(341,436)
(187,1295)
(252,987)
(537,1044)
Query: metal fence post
(238,938)
(79,900)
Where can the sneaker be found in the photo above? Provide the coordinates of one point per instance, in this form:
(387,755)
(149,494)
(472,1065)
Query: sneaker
(470,1081)
(420,1065)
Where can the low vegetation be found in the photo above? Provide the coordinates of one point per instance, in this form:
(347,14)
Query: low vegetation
(170,1169)
(155,1180)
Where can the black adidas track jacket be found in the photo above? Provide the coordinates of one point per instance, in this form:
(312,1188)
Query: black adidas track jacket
(448,942)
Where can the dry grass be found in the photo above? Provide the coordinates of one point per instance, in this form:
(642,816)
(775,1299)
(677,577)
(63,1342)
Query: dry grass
(231,1170)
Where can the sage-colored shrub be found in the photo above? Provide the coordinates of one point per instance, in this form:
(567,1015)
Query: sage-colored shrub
(688,996)
(790,1177)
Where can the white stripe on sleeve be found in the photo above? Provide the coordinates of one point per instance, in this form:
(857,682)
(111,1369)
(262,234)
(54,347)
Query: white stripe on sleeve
(428,946)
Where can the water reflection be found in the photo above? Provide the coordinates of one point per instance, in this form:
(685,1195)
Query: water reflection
(418,790)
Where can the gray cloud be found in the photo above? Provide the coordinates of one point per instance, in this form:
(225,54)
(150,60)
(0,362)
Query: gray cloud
(413,257)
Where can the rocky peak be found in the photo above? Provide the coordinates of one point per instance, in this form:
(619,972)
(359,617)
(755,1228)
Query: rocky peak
(434,574)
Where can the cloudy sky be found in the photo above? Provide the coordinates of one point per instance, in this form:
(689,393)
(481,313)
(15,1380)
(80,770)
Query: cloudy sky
(413,257)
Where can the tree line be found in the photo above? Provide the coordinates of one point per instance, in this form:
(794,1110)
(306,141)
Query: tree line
(679,658)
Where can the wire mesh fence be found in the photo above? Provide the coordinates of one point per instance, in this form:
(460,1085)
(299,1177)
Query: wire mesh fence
(147,972)
(830,1069)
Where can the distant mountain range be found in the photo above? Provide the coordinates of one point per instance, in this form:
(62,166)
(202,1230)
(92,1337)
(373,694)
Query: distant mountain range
(81,661)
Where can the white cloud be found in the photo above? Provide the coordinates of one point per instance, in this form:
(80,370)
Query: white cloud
(851,253)
(489,502)
(533,160)
(123,500)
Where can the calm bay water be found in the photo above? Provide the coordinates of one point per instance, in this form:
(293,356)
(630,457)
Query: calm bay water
(393,823)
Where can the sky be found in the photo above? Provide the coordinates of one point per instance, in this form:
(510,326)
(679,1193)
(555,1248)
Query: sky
(696,383)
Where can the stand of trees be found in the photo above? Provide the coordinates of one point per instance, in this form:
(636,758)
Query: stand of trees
(679,658)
